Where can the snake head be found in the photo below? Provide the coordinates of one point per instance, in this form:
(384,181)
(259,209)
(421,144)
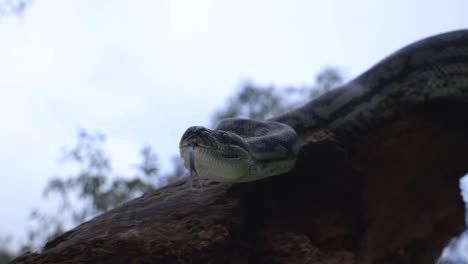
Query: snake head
(240,150)
(215,154)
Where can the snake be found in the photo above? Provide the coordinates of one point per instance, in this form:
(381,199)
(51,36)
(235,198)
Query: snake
(244,150)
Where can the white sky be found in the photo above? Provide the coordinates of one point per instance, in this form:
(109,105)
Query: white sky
(143,71)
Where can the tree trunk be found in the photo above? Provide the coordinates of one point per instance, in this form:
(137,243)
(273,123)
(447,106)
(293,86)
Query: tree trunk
(390,196)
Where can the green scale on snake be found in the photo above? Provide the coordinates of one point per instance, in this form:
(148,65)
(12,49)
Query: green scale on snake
(243,150)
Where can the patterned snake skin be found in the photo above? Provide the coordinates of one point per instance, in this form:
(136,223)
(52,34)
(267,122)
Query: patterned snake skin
(242,150)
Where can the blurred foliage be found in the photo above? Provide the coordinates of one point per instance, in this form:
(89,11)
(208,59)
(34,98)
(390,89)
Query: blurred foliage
(14,7)
(178,171)
(95,180)
(94,187)
(253,102)
(5,254)
(257,102)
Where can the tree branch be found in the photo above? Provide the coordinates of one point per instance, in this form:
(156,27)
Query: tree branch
(390,196)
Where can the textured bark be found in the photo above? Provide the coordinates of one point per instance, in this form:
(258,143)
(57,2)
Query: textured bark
(389,196)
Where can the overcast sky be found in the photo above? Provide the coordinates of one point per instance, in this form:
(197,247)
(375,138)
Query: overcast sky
(143,71)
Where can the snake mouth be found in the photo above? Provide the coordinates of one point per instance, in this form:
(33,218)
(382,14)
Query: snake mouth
(199,144)
(211,163)
(227,153)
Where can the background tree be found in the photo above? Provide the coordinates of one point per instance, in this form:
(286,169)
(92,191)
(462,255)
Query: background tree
(256,102)
(93,189)
(16,7)
(5,254)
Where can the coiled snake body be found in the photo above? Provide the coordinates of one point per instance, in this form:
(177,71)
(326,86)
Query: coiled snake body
(242,150)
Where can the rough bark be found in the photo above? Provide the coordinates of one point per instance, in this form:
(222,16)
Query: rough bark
(390,196)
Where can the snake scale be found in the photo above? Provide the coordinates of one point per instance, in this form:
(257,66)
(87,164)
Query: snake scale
(242,150)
